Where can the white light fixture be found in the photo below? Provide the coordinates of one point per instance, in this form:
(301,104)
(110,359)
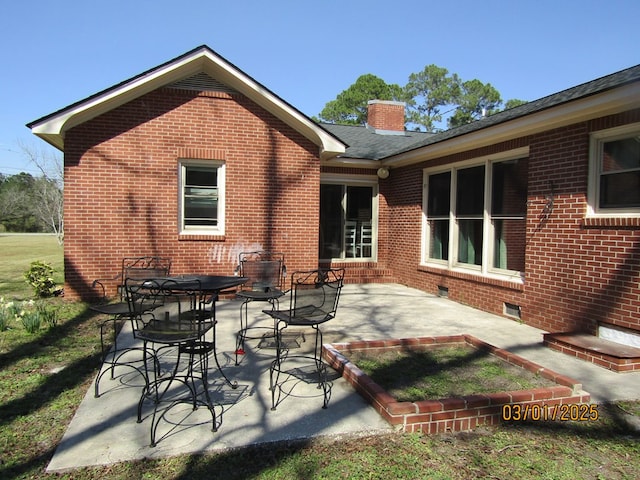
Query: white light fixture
(383,172)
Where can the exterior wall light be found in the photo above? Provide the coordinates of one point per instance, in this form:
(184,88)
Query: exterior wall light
(383,172)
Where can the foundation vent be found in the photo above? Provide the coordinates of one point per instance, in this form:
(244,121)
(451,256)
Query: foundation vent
(512,310)
(443,291)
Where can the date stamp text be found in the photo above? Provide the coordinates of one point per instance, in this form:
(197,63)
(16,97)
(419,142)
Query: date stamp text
(575,412)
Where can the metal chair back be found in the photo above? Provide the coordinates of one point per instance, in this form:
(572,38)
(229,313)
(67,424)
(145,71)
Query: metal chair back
(265,270)
(314,296)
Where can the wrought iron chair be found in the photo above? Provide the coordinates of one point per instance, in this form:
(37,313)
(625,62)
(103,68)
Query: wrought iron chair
(177,325)
(265,272)
(314,301)
(118,312)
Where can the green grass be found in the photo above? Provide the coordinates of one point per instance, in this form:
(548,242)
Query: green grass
(446,371)
(44,376)
(18,251)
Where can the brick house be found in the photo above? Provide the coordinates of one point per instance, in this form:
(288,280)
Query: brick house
(532,213)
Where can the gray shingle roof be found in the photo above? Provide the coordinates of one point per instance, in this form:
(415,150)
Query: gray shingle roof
(365,143)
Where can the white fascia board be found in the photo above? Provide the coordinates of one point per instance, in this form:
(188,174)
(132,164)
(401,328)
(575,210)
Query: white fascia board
(351,162)
(53,128)
(222,71)
(607,103)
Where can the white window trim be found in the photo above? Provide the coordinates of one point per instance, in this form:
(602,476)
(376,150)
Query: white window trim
(484,270)
(364,181)
(217,230)
(593,191)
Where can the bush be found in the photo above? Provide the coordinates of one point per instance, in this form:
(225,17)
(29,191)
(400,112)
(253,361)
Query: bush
(40,277)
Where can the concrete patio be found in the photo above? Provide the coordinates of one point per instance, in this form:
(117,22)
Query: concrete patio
(104,430)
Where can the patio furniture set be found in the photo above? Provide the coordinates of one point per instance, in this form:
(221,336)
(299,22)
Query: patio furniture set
(174,317)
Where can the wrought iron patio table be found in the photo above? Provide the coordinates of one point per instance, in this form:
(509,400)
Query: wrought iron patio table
(210,286)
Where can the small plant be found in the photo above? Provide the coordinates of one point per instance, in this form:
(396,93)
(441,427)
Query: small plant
(29,316)
(7,313)
(40,277)
(48,314)
(31,321)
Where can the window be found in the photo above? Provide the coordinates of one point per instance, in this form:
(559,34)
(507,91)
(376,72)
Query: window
(476,216)
(202,197)
(614,171)
(347,219)
(438,214)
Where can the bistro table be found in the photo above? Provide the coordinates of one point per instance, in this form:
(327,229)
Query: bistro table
(188,304)
(211,286)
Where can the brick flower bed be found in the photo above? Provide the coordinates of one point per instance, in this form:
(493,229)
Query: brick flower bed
(456,413)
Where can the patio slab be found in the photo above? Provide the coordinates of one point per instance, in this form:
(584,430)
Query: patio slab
(104,429)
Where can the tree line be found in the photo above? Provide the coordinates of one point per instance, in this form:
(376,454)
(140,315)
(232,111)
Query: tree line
(435,99)
(31,203)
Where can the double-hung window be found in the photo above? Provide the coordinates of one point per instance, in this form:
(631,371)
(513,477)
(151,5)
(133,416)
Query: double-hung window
(201,197)
(614,172)
(475,216)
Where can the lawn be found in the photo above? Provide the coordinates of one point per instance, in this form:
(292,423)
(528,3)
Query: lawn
(443,372)
(44,376)
(18,251)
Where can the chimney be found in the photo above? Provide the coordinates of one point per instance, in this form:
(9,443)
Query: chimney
(386,117)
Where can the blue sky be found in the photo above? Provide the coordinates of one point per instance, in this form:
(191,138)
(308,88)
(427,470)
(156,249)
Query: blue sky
(56,53)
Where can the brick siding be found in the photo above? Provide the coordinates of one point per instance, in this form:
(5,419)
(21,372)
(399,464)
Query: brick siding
(121,197)
(578,272)
(121,186)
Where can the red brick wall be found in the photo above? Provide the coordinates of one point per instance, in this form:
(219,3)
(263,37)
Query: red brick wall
(578,272)
(383,115)
(121,186)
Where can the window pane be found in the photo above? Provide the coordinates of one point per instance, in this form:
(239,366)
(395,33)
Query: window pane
(439,241)
(200,196)
(509,244)
(470,193)
(509,187)
(621,155)
(619,190)
(470,241)
(359,203)
(439,199)
(203,176)
(331,221)
(358,236)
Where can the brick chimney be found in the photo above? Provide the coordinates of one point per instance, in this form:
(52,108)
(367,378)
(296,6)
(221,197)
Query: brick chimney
(386,117)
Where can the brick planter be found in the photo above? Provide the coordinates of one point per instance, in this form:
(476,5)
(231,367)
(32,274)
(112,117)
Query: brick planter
(449,414)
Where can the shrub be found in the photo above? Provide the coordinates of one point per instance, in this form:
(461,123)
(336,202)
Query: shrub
(40,277)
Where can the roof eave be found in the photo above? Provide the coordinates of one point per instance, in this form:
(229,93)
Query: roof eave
(52,128)
(610,102)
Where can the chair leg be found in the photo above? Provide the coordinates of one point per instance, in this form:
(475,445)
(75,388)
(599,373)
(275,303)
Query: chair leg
(281,354)
(111,355)
(240,337)
(197,351)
